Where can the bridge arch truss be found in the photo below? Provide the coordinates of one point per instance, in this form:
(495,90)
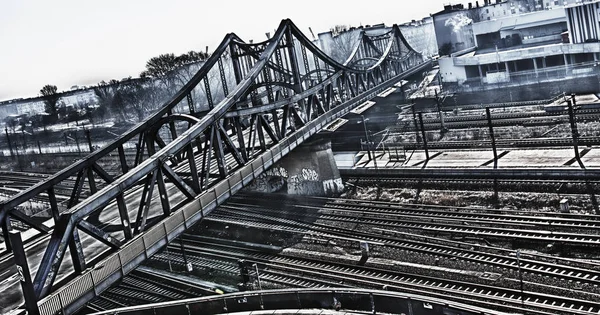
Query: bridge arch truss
(247,106)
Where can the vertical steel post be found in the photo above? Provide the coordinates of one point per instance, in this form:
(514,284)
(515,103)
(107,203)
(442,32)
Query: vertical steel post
(366,136)
(77,142)
(574,133)
(492,138)
(417,135)
(440,113)
(20,259)
(89,139)
(123,159)
(53,204)
(244,273)
(592,193)
(10,149)
(188,265)
(424,136)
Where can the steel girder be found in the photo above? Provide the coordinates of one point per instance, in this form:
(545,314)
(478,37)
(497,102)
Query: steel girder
(257,94)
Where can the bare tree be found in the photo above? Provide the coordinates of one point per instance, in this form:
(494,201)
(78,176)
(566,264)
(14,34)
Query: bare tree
(129,98)
(174,71)
(106,93)
(344,40)
(51,97)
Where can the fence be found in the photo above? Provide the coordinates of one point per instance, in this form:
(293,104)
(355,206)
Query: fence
(542,75)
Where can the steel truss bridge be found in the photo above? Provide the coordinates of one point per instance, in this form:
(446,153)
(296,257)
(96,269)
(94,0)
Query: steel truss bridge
(264,99)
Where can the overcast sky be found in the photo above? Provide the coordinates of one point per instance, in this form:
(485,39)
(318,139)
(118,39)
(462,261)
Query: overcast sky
(69,42)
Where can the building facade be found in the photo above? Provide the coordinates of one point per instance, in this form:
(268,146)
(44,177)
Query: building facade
(421,36)
(583,22)
(35,105)
(552,44)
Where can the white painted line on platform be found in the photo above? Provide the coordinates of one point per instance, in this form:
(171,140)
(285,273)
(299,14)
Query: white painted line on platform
(362,107)
(387,92)
(401,83)
(336,124)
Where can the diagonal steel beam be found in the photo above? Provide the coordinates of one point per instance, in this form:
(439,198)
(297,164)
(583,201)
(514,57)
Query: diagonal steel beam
(76,250)
(76,192)
(178,181)
(233,149)
(55,251)
(98,234)
(146,198)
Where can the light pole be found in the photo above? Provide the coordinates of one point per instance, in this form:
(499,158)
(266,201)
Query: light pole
(371,155)
(366,135)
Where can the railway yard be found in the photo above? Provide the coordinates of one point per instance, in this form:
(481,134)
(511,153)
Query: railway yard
(518,233)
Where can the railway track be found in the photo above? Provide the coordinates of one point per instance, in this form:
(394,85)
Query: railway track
(282,269)
(507,104)
(512,115)
(538,186)
(523,231)
(497,121)
(407,240)
(144,286)
(500,143)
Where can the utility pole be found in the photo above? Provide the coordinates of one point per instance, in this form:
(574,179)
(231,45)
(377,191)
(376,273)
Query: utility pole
(418,137)
(89,139)
(491,127)
(441,114)
(366,136)
(574,132)
(424,136)
(10,149)
(77,142)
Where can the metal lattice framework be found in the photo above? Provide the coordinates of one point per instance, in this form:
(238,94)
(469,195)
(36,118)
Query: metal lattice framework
(264,98)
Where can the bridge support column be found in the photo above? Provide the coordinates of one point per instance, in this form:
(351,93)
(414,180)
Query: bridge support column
(309,170)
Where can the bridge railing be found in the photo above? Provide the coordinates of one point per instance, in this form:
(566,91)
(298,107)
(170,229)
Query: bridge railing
(359,300)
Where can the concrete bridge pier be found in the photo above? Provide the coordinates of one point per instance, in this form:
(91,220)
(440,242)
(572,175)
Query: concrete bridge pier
(308,170)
